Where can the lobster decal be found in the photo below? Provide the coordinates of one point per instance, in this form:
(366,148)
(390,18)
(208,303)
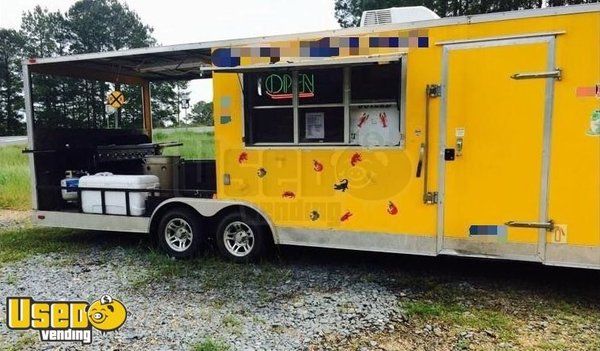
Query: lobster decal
(314,215)
(363,118)
(342,185)
(356,158)
(346,216)
(243,157)
(261,172)
(383,119)
(392,209)
(317,166)
(288,195)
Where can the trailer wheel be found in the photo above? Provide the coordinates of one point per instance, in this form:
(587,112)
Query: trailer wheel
(241,238)
(179,233)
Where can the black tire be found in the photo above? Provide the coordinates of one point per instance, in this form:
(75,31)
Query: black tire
(252,237)
(183,226)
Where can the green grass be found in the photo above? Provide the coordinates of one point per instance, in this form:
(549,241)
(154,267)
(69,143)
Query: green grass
(210,344)
(20,243)
(463,317)
(15,191)
(195,145)
(214,273)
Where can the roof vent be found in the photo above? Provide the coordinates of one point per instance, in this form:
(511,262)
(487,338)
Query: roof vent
(396,15)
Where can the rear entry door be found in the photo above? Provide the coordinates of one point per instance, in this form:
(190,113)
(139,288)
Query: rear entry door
(492,148)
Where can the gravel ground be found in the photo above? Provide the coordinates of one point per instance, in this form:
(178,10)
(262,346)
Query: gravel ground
(291,315)
(12,219)
(309,300)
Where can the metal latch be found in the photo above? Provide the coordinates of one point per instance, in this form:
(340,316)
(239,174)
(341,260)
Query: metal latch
(556,74)
(549,226)
(421,159)
(430,198)
(434,90)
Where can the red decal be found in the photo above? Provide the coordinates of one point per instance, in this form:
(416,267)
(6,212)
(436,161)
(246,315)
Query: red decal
(243,157)
(356,158)
(383,118)
(346,216)
(588,91)
(288,195)
(392,209)
(363,118)
(317,166)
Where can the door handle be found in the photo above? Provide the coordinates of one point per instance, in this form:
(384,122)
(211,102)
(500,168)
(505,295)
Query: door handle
(421,159)
(459,146)
(549,226)
(556,74)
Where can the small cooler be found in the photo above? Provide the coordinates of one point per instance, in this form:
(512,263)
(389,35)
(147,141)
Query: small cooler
(115,202)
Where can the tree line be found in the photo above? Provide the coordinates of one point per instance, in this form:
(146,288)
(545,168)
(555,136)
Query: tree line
(87,26)
(348,12)
(105,25)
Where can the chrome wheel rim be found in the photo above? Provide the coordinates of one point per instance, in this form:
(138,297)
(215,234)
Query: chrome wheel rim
(178,235)
(238,239)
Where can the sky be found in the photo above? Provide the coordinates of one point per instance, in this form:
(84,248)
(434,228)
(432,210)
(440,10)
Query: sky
(181,21)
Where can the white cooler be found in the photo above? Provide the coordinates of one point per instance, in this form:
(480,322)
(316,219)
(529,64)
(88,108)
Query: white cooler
(115,200)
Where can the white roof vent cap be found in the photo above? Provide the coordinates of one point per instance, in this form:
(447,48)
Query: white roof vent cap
(397,15)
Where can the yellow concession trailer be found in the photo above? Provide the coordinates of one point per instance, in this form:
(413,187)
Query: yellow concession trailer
(470,136)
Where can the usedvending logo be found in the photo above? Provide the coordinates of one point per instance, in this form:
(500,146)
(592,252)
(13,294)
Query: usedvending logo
(65,320)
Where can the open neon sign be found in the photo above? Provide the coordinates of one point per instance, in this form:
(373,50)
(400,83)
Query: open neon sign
(279,86)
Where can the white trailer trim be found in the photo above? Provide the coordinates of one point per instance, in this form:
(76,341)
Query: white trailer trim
(88,221)
(29,121)
(498,16)
(210,207)
(312,63)
(363,241)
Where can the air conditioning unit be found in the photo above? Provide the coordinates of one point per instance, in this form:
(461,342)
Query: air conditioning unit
(397,15)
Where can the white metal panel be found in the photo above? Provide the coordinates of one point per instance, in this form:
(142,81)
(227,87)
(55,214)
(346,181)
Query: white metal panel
(312,62)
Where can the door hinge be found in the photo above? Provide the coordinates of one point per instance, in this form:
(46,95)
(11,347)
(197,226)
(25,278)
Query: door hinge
(430,198)
(434,90)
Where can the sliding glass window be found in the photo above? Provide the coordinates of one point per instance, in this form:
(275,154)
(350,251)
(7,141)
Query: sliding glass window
(321,106)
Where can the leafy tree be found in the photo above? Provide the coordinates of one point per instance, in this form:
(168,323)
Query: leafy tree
(166,110)
(202,113)
(105,25)
(348,12)
(11,98)
(46,35)
(88,26)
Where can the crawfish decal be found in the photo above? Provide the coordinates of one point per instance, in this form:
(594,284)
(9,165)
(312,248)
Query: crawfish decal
(346,216)
(342,185)
(363,118)
(383,119)
(243,157)
(356,158)
(314,215)
(317,166)
(261,172)
(392,209)
(288,195)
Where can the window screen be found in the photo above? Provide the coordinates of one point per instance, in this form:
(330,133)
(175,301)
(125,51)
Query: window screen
(322,125)
(321,86)
(269,110)
(375,83)
(322,111)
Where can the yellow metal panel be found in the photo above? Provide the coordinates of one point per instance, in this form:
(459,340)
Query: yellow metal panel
(574,189)
(498,176)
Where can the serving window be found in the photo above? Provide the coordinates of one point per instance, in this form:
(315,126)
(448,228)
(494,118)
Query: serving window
(353,105)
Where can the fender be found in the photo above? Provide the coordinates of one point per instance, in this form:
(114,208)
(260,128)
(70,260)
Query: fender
(210,207)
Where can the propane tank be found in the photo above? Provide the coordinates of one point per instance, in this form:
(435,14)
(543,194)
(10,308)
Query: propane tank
(71,183)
